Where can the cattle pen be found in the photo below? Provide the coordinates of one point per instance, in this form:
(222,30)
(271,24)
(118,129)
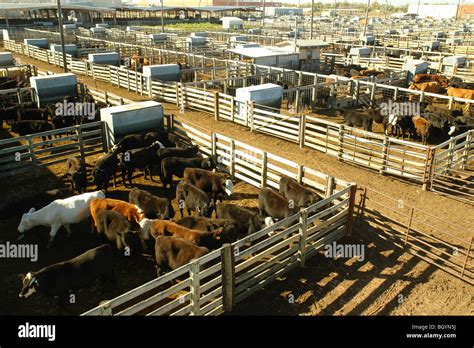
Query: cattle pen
(214,283)
(445,168)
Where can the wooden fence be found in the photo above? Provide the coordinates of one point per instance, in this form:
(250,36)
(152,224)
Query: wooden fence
(419,232)
(214,283)
(384,154)
(32,152)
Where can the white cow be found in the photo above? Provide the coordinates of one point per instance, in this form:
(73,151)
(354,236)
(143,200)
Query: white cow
(61,212)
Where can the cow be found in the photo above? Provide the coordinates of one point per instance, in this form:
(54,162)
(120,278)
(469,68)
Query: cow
(172,253)
(420,78)
(210,240)
(9,113)
(133,214)
(153,207)
(60,212)
(142,158)
(356,119)
(29,114)
(105,167)
(431,87)
(215,184)
(231,229)
(272,203)
(461,93)
(137,141)
(250,221)
(31,127)
(402,125)
(115,227)
(79,272)
(176,165)
(301,196)
(182,152)
(193,199)
(76,170)
(421,127)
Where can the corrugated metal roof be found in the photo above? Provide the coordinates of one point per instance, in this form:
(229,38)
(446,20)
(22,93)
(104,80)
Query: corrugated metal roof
(260,52)
(13,6)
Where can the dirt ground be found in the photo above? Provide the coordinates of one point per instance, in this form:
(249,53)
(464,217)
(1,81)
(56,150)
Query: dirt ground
(132,271)
(389,281)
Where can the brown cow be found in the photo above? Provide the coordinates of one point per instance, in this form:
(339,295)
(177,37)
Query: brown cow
(461,93)
(421,127)
(133,213)
(173,252)
(210,240)
(431,87)
(443,81)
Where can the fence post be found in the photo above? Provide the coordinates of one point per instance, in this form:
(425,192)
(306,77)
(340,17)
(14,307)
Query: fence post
(300,173)
(103,134)
(32,155)
(350,212)
(330,186)
(451,147)
(372,94)
(341,142)
(177,94)
(302,130)
(409,225)
(213,143)
(232,159)
(228,277)
(216,106)
(302,232)
(81,142)
(467,148)
(427,177)
(251,113)
(194,287)
(263,182)
(232,109)
(383,168)
(105,308)
(468,252)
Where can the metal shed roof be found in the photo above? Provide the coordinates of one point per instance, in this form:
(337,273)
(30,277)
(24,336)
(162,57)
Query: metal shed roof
(260,52)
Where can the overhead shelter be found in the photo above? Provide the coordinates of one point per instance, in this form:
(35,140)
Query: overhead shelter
(271,56)
(48,12)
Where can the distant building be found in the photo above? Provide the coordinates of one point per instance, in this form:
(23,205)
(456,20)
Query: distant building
(342,12)
(442,11)
(282,11)
(199,3)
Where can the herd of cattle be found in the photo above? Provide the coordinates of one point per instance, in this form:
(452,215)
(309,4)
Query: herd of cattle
(433,123)
(132,226)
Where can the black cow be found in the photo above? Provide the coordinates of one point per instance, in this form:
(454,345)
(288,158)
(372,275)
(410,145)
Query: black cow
(176,165)
(143,158)
(77,273)
(31,127)
(105,167)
